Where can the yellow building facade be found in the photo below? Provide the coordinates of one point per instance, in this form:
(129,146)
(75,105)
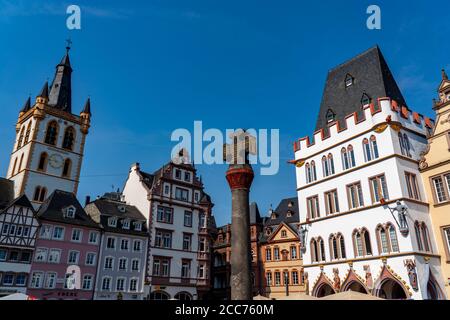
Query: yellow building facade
(435,171)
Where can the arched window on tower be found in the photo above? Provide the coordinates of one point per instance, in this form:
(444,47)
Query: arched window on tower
(313,171)
(69,138)
(370,148)
(20,141)
(67,168)
(374,147)
(330,116)
(337,246)
(365,99)
(13,172)
(39,194)
(361,243)
(27,134)
(51,135)
(314,251)
(407,145)
(43,160)
(20,163)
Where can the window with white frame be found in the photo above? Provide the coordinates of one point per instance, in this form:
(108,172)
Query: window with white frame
(77,235)
(54,256)
(111,243)
(164,214)
(87,282)
(37,279)
(120,284)
(50,280)
(277,278)
(378,188)
(447,237)
(41,255)
(135,265)
(45,232)
(269,279)
(185,269)
(126,224)
(441,186)
(124,245)
(331,202)
(163,239)
(106,284)
(90,258)
(112,222)
(109,262)
(370,147)
(181,194)
(123,262)
(187,240)
(73,257)
(137,245)
(328,165)
(295,277)
(293,250)
(348,158)
(313,207)
(138,226)
(187,218)
(70,212)
(355,195)
(268,254)
(93,237)
(58,233)
(133,285)
(276,253)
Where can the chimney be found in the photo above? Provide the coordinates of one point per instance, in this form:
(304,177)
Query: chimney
(88,200)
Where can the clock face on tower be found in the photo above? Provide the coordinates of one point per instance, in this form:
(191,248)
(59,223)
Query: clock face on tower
(56,161)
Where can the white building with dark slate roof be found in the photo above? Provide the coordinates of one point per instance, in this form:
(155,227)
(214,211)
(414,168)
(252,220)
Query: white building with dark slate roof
(123,249)
(361,164)
(178,214)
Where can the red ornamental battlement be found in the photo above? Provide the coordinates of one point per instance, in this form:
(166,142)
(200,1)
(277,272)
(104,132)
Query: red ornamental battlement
(385,111)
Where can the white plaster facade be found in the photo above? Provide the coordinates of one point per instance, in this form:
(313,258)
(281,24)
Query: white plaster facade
(382,120)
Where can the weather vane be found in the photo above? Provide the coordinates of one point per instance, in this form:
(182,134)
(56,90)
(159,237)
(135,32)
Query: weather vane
(69,44)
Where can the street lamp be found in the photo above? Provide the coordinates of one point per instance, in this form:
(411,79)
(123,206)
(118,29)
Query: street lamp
(286,282)
(401,222)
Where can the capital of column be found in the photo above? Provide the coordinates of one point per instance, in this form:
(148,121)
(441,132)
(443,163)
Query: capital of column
(240,176)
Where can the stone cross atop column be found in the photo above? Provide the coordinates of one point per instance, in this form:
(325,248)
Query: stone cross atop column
(240,177)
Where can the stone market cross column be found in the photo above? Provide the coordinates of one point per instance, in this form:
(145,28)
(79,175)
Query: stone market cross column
(240,177)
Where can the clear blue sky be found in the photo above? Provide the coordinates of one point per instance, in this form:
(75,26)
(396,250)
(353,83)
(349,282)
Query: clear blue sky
(154,66)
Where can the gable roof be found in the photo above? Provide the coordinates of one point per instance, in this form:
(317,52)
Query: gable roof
(371,75)
(52,210)
(278,229)
(6,192)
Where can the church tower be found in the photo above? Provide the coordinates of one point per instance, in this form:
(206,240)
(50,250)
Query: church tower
(49,146)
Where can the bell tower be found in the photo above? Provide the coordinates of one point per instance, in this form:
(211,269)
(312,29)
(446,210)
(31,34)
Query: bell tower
(49,145)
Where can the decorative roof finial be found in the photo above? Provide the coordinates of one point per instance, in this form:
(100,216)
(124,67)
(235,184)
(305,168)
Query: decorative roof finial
(444,75)
(69,45)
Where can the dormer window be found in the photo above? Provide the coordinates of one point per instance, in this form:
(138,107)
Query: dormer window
(331,116)
(70,212)
(122,209)
(178,174)
(365,99)
(112,222)
(268,231)
(273,216)
(187,176)
(126,224)
(349,80)
(138,226)
(289,214)
(290,204)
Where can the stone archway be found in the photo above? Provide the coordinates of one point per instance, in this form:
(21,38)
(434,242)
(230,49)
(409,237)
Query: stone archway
(323,287)
(390,286)
(353,282)
(433,290)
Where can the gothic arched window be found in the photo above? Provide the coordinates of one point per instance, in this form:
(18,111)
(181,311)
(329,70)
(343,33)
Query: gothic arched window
(43,160)
(39,194)
(365,99)
(330,116)
(69,138)
(313,171)
(361,243)
(370,148)
(14,167)
(66,168)
(20,163)
(52,133)
(407,145)
(418,235)
(374,147)
(348,80)
(314,251)
(27,134)
(20,141)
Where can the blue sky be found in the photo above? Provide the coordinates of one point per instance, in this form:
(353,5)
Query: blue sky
(154,66)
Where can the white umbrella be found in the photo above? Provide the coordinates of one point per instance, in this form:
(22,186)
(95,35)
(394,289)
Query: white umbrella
(17,296)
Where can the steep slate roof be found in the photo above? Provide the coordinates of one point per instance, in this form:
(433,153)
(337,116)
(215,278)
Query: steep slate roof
(371,75)
(255,217)
(6,192)
(282,210)
(52,210)
(60,96)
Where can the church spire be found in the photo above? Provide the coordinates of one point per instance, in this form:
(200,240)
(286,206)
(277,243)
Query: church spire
(87,107)
(26,106)
(44,91)
(444,75)
(61,88)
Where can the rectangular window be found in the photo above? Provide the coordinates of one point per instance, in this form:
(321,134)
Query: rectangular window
(87,282)
(188,219)
(293,252)
(45,232)
(111,243)
(447,238)
(50,280)
(313,207)
(277,278)
(413,188)
(13,256)
(135,265)
(441,185)
(21,280)
(331,202)
(269,279)
(379,188)
(109,261)
(133,285)
(8,279)
(137,245)
(41,255)
(164,215)
(90,258)
(156,267)
(120,285)
(76,235)
(93,237)
(12,230)
(123,264)
(187,176)
(185,269)
(187,240)
(3,254)
(106,284)
(163,239)
(165,268)
(5,229)
(73,257)
(355,196)
(181,194)
(268,254)
(294,277)
(58,233)
(54,256)
(36,280)
(276,253)
(124,245)
(178,174)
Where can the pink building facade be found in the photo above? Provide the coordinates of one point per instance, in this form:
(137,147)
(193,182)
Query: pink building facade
(64,264)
